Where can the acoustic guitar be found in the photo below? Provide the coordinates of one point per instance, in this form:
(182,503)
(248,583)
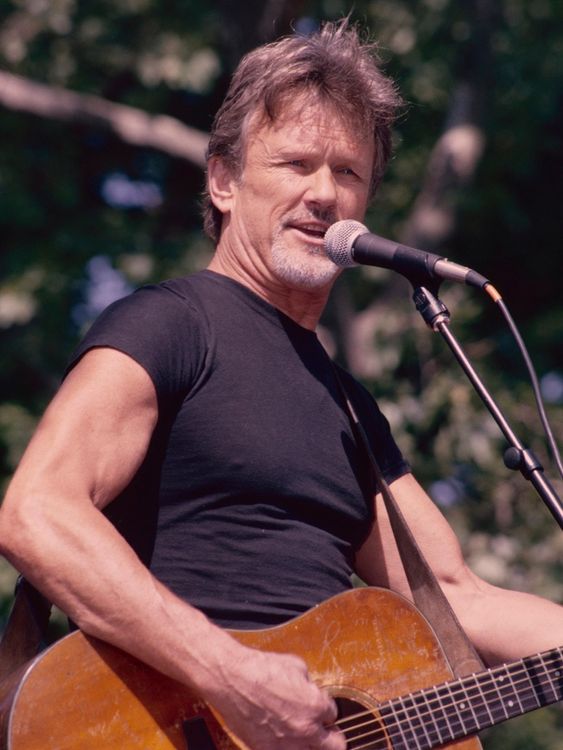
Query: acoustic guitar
(369,647)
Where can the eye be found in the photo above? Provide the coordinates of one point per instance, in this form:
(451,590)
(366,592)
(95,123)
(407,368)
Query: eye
(347,171)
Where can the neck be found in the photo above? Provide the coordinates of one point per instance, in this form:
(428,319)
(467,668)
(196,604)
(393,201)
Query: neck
(304,306)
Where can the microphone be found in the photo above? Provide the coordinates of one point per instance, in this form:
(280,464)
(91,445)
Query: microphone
(350,243)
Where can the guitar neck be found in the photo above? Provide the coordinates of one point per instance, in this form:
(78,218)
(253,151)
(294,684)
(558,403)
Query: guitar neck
(456,709)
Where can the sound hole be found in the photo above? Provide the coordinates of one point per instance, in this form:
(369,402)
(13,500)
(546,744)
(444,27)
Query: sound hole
(197,734)
(360,727)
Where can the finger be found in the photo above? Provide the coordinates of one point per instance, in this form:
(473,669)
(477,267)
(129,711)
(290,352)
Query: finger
(333,740)
(330,711)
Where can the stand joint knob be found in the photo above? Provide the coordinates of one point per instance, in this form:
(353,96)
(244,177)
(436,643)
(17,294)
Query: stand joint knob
(524,460)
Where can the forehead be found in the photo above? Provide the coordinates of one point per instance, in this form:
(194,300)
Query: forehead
(309,123)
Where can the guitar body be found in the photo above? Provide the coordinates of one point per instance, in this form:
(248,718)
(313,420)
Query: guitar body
(366,645)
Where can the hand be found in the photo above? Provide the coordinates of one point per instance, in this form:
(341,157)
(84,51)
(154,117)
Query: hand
(268,701)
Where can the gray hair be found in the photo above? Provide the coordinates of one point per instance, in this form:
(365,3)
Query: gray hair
(335,65)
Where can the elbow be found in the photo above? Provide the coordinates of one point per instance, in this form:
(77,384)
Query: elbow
(466,592)
(21,528)
(9,527)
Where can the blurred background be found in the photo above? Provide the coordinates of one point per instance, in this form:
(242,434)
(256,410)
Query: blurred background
(104,110)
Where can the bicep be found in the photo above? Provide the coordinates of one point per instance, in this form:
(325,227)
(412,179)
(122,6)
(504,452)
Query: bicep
(378,561)
(96,431)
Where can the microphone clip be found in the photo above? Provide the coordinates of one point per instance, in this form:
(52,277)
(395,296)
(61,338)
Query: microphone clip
(431,308)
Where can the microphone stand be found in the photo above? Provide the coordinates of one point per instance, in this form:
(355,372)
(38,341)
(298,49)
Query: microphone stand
(516,456)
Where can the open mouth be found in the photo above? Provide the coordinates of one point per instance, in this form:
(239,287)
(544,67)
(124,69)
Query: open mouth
(311,231)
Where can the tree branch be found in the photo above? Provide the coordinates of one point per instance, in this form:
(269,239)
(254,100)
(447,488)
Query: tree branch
(451,166)
(131,125)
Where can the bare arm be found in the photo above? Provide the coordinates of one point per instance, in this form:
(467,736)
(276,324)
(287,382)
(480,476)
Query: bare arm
(503,624)
(88,446)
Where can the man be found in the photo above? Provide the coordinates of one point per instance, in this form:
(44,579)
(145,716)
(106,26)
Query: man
(203,418)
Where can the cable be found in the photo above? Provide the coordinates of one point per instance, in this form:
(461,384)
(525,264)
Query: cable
(497,299)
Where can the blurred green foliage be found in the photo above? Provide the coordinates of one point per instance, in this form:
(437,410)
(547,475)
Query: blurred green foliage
(84,216)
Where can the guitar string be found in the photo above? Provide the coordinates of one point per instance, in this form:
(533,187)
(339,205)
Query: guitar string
(456,687)
(394,724)
(398,723)
(408,721)
(380,737)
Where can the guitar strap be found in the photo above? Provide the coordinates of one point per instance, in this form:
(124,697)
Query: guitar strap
(25,629)
(427,594)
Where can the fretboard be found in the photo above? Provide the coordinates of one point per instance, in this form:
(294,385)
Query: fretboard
(456,709)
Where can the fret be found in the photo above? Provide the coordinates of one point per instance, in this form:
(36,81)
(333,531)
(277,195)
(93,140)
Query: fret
(442,723)
(425,700)
(406,715)
(424,707)
(444,699)
(509,695)
(542,689)
(412,705)
(478,699)
(527,693)
(455,698)
(449,704)
(441,717)
(494,694)
(466,710)
(550,664)
(556,673)
(426,720)
(394,726)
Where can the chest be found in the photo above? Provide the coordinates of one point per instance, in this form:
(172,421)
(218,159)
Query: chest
(266,425)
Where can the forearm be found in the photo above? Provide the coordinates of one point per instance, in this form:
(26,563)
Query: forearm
(80,562)
(77,559)
(505,625)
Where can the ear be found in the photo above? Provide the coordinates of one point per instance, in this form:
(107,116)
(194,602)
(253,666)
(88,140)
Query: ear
(220,184)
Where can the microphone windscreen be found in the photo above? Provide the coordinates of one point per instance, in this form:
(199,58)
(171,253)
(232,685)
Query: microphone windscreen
(339,241)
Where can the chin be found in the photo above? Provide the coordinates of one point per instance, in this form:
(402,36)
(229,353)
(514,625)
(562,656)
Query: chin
(307,271)
(306,277)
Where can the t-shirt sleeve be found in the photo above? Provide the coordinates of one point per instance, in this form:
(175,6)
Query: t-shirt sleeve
(157,328)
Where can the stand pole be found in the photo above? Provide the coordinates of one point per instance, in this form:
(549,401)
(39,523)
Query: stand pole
(517,456)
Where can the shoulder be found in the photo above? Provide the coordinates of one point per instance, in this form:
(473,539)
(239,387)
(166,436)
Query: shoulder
(161,326)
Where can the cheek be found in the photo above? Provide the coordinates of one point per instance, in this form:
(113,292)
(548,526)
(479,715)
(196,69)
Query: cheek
(354,203)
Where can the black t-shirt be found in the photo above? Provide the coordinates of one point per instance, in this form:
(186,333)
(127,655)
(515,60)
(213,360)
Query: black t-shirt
(252,498)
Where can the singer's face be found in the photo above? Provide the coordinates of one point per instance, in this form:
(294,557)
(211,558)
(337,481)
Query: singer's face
(300,174)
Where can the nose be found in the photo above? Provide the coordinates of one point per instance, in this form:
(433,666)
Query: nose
(321,190)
